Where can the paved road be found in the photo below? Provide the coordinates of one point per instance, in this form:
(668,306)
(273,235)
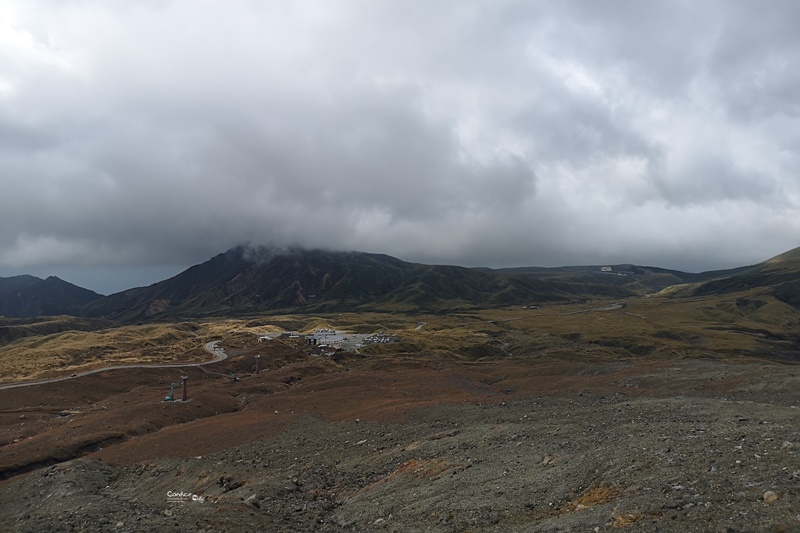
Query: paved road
(211,347)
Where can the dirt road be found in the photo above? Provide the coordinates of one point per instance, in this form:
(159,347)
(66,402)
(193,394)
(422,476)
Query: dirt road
(211,347)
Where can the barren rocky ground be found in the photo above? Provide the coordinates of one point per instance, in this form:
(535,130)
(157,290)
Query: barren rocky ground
(387,444)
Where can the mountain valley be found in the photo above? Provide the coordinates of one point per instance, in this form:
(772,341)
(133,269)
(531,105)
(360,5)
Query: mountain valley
(577,398)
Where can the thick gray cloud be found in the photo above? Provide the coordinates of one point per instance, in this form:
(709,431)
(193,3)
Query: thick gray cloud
(139,137)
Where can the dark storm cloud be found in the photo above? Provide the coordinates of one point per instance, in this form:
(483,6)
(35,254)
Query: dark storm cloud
(486,133)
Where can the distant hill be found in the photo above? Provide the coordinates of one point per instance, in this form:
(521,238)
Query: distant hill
(247,280)
(15,328)
(29,296)
(628,279)
(779,276)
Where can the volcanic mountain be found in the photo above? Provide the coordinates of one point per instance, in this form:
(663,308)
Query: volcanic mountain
(244,280)
(29,296)
(247,280)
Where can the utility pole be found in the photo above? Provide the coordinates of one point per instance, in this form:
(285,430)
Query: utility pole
(185,392)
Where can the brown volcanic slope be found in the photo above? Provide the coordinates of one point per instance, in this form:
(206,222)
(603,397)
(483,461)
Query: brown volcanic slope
(648,414)
(408,443)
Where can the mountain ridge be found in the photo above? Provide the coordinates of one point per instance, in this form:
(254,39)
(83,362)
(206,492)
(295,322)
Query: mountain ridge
(252,279)
(30,296)
(779,276)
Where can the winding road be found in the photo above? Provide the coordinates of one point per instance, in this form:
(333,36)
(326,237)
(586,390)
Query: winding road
(211,347)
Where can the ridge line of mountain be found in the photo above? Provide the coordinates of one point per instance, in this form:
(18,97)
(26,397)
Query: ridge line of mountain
(248,279)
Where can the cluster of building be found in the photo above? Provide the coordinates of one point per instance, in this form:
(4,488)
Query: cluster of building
(321,350)
(609,270)
(380,338)
(281,335)
(326,342)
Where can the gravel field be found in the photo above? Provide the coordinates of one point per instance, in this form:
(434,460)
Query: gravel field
(676,446)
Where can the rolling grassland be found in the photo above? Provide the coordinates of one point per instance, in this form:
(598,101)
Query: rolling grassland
(740,324)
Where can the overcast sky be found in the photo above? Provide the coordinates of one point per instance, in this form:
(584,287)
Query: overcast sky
(140,137)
